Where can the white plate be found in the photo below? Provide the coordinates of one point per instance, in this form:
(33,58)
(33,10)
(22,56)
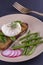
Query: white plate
(35,25)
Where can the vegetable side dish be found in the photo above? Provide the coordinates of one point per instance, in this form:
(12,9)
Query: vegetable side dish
(29,42)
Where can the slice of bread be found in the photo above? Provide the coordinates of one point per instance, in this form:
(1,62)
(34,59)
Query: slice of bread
(3,46)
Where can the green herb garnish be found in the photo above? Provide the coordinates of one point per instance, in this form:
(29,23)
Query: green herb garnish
(18,22)
(3,39)
(13,25)
(13,38)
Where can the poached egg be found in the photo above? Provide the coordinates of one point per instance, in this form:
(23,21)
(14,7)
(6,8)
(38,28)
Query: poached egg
(8,31)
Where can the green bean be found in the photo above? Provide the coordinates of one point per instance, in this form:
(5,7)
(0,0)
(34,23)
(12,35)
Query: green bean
(27,45)
(31,50)
(25,50)
(29,40)
(28,35)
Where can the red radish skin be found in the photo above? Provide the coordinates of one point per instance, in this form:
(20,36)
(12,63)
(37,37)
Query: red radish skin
(19,52)
(15,53)
(6,51)
(12,53)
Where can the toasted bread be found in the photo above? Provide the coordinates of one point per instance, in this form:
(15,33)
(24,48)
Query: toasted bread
(3,46)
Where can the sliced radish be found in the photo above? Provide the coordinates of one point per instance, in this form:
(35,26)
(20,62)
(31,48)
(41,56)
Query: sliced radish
(6,52)
(19,52)
(15,53)
(12,53)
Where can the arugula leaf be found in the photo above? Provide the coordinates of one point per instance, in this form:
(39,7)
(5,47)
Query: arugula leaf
(3,39)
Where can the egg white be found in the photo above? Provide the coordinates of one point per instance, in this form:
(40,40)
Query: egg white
(11,32)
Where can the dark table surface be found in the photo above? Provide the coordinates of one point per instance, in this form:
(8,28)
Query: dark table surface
(6,8)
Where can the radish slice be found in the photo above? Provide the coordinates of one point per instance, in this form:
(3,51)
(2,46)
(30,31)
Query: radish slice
(19,52)
(15,53)
(12,53)
(6,52)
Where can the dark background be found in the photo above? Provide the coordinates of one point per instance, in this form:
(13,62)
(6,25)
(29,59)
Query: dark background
(6,8)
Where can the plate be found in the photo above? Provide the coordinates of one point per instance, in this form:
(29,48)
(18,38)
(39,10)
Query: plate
(35,25)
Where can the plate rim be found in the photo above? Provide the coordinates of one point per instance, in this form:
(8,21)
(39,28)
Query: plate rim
(21,14)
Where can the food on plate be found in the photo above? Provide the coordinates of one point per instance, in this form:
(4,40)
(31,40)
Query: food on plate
(10,32)
(29,43)
(11,53)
